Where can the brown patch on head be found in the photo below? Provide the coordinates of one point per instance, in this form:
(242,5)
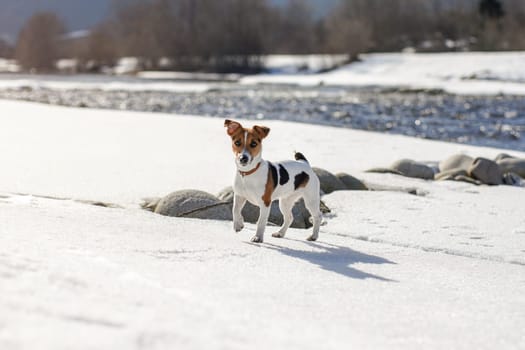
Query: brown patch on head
(253,142)
(254,138)
(236,132)
(243,138)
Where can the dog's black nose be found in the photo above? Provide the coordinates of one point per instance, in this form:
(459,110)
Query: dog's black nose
(243,159)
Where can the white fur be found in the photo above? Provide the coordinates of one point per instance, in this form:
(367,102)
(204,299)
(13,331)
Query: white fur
(252,187)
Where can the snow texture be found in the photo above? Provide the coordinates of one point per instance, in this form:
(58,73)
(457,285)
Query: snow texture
(444,269)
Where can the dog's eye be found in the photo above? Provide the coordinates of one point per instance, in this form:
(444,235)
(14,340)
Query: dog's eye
(253,144)
(237,143)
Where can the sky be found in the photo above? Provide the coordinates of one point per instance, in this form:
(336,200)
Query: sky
(80,14)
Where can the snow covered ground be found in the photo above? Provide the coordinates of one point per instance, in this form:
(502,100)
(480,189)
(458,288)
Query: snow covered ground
(98,82)
(391,270)
(8,66)
(459,73)
(302,63)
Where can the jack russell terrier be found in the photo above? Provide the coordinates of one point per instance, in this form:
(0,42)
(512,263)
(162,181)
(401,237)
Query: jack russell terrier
(260,182)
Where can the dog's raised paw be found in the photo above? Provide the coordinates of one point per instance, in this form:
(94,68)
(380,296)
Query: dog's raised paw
(238,227)
(257,239)
(278,234)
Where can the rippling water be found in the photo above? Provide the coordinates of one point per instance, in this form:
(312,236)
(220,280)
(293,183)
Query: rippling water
(497,121)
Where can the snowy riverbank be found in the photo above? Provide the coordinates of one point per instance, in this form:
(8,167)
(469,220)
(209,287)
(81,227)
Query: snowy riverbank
(465,73)
(471,73)
(445,269)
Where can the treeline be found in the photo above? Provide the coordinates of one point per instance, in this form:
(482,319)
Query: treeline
(221,36)
(233,35)
(6,50)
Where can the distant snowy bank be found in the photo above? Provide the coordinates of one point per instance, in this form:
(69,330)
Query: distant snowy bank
(8,66)
(469,73)
(459,73)
(98,82)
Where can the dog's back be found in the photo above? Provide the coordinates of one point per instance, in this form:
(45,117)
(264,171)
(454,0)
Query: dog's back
(293,176)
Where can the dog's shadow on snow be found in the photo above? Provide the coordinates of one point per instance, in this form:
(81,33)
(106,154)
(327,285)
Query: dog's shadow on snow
(331,257)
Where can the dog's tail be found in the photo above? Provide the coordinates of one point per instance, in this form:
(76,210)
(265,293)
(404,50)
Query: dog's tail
(300,156)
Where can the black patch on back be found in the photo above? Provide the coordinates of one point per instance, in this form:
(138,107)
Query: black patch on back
(301,179)
(275,177)
(300,156)
(283,175)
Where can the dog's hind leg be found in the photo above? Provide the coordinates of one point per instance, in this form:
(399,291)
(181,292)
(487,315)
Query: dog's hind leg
(238,221)
(312,204)
(285,205)
(264,212)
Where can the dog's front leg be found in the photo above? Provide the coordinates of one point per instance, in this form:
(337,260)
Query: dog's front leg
(264,212)
(238,204)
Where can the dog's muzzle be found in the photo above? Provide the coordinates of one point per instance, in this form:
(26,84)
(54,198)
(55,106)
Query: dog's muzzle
(243,159)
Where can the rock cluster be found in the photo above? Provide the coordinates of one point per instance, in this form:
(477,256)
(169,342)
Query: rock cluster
(203,205)
(503,170)
(338,182)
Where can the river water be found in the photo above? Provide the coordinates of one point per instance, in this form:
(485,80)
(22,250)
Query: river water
(497,121)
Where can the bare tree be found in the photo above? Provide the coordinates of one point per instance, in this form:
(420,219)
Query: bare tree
(6,50)
(38,43)
(145,30)
(347,36)
(297,29)
(492,9)
(102,46)
(234,35)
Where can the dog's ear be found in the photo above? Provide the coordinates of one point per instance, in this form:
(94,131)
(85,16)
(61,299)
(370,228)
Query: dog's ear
(231,126)
(263,131)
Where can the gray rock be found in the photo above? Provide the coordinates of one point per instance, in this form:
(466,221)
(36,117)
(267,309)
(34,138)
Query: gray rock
(329,182)
(486,171)
(194,204)
(513,179)
(450,174)
(456,175)
(457,161)
(250,212)
(411,168)
(468,179)
(301,216)
(226,194)
(150,203)
(432,165)
(512,165)
(324,208)
(502,156)
(351,183)
(444,177)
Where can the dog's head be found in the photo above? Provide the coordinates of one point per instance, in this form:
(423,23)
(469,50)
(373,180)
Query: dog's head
(246,143)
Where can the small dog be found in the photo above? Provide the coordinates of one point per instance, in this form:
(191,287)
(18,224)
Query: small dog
(260,182)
